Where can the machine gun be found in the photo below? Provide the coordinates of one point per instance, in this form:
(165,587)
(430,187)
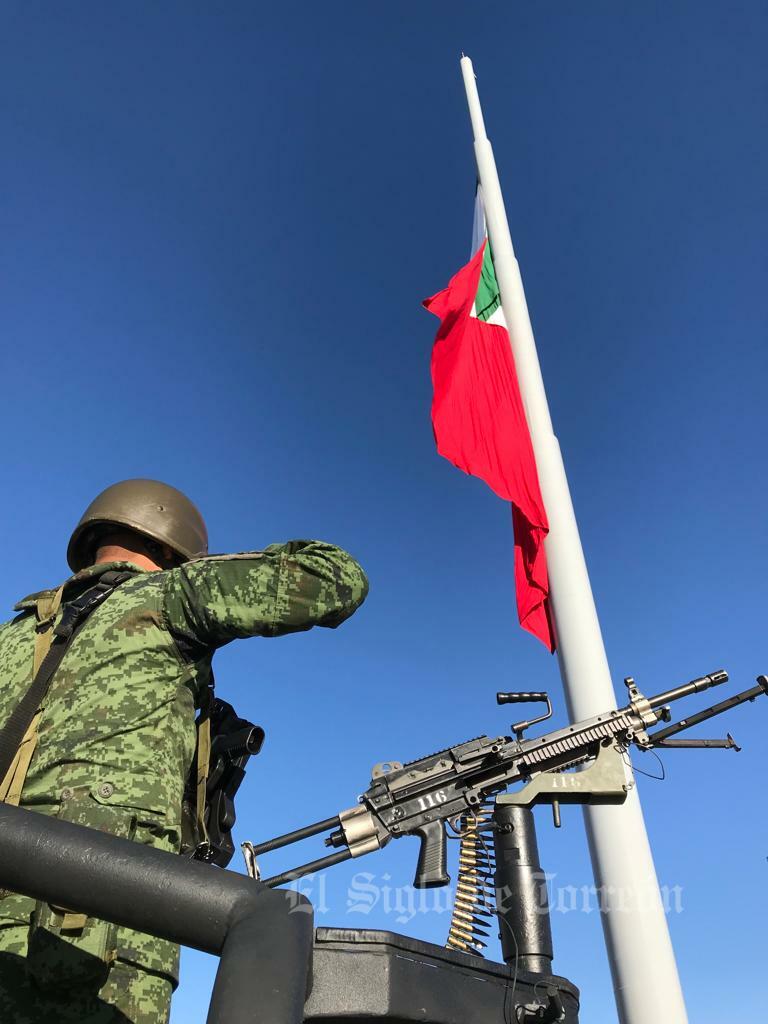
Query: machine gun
(451,787)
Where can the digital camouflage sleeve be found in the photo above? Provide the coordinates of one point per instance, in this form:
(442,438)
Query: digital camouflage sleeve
(115,741)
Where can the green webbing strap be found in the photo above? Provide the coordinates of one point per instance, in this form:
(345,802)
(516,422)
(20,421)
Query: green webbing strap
(203,767)
(46,610)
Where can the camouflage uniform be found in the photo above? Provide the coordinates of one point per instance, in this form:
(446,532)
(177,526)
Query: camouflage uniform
(115,742)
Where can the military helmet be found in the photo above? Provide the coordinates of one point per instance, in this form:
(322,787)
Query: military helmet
(150,507)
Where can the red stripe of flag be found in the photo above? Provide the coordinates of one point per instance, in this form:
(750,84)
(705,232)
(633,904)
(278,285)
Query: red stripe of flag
(480,426)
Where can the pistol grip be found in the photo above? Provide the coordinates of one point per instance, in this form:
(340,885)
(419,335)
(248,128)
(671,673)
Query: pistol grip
(431,870)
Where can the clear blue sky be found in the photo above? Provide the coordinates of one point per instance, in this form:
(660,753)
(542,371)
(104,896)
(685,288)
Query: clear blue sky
(217,224)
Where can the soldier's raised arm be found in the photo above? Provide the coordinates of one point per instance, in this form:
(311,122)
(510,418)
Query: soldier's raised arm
(283,589)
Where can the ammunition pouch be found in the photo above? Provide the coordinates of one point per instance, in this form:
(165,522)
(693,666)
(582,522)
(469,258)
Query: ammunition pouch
(66,948)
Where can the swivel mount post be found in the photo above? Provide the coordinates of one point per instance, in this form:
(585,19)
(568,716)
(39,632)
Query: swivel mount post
(522,903)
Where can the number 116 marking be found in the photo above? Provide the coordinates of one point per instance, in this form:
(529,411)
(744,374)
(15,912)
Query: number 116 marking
(431,799)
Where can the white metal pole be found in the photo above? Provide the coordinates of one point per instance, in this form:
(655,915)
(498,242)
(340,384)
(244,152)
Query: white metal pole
(642,961)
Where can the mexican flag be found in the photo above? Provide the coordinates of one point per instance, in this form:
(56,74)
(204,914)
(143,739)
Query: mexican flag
(479,420)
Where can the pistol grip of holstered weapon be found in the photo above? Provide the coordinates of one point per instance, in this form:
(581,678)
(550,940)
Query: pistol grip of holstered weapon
(431,870)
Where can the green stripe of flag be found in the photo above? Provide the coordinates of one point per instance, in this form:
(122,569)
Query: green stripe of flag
(487,300)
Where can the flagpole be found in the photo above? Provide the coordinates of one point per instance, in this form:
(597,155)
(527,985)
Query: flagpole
(645,979)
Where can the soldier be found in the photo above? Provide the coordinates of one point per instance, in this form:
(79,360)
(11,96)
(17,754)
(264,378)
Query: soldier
(114,737)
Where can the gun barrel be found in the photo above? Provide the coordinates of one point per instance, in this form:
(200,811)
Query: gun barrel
(247,741)
(695,686)
(662,735)
(253,741)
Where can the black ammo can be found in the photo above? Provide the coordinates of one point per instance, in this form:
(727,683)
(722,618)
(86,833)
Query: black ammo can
(360,976)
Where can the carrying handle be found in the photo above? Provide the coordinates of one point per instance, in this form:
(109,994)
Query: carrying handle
(526,698)
(520,698)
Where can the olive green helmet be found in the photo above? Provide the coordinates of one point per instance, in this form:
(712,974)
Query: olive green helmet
(152,508)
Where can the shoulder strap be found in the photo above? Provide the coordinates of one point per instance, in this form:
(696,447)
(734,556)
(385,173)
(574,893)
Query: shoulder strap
(203,765)
(201,780)
(74,615)
(46,610)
